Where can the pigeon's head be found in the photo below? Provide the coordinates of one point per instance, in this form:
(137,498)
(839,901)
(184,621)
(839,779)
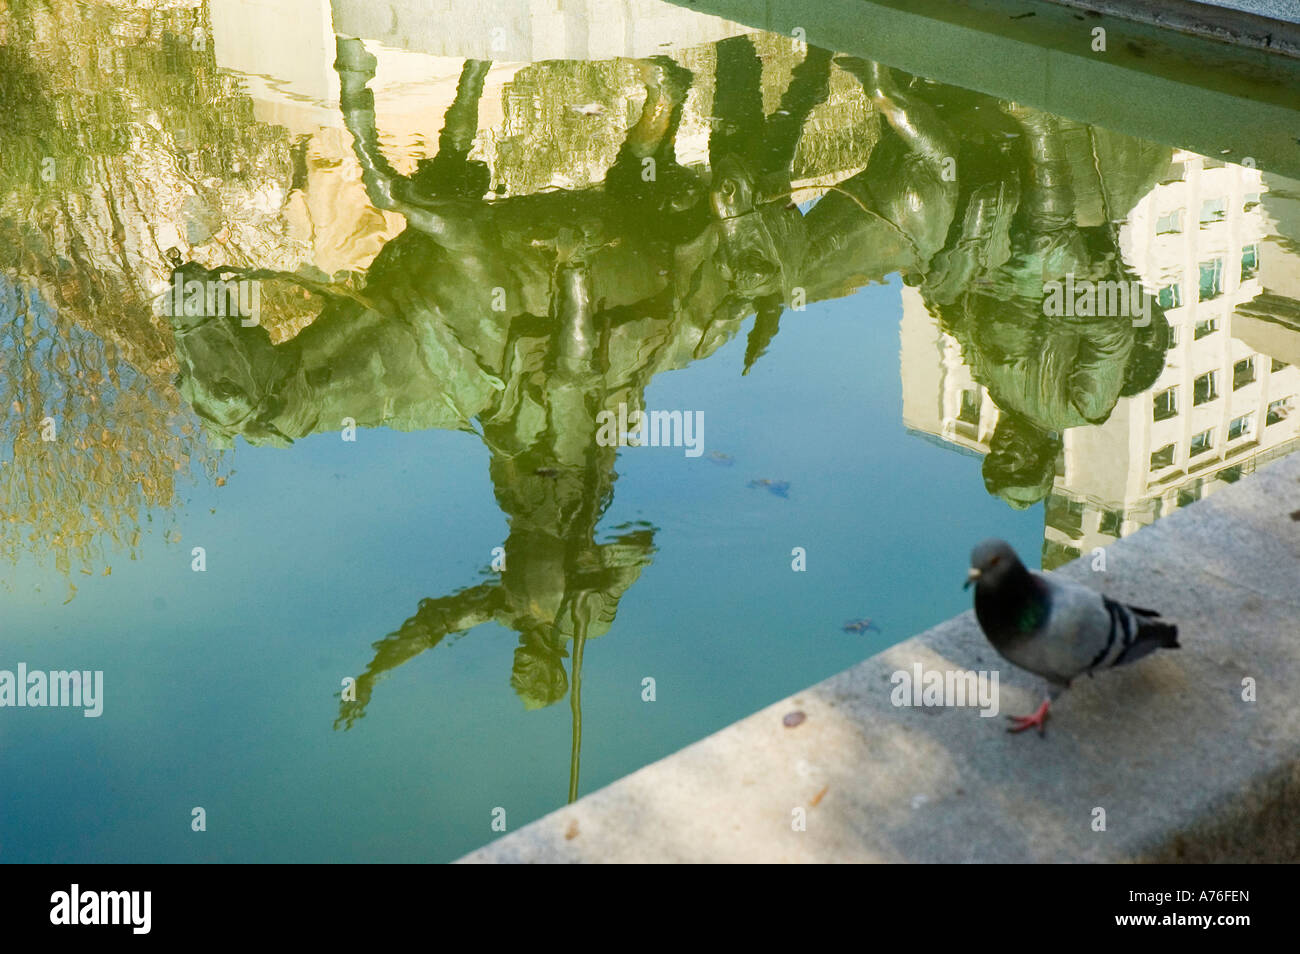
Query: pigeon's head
(990,562)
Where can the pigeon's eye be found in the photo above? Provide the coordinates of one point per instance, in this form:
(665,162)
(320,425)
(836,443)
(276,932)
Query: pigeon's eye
(994,561)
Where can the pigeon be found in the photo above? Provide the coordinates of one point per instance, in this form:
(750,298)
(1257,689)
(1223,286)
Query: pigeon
(1055,628)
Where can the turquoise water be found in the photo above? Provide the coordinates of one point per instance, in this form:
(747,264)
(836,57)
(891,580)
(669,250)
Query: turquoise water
(221,687)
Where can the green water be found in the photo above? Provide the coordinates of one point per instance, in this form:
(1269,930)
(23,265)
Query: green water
(359,567)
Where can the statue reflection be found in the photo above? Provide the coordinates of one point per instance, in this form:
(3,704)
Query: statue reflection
(522,318)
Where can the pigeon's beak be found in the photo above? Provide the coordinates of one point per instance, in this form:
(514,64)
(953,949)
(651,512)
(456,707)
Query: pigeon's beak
(971,577)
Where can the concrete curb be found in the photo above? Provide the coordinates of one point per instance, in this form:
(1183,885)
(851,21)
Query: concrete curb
(1208,19)
(1182,766)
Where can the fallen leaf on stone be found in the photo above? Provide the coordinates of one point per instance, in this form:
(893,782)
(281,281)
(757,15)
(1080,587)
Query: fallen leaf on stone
(793,719)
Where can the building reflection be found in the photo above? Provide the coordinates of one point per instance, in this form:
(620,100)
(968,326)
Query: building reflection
(1216,243)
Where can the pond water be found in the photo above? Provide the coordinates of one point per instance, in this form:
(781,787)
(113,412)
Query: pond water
(315,362)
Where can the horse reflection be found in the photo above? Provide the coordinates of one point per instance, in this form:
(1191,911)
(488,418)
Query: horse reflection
(523,318)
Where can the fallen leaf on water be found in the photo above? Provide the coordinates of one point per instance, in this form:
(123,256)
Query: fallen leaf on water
(108,571)
(221,481)
(72,593)
(779,487)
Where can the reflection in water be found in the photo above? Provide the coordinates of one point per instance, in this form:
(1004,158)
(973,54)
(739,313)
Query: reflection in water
(531,314)
(95,436)
(459,291)
(1214,407)
(1046,373)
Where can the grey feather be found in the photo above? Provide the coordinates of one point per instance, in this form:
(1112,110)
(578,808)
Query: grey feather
(1056,628)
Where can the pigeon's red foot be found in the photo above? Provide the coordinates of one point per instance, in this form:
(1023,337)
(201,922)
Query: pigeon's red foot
(1039,718)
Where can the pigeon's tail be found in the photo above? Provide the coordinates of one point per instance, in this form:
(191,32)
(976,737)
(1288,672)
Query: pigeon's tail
(1164,635)
(1153,629)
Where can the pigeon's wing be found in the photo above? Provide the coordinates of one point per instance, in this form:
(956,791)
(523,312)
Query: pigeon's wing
(1135,633)
(1074,637)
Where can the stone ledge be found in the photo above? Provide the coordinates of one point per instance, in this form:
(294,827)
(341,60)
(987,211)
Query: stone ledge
(1272,25)
(1184,769)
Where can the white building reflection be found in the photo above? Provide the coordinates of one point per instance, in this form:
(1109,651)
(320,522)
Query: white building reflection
(1220,245)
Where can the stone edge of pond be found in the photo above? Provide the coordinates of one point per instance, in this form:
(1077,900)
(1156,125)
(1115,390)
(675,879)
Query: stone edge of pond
(1182,766)
(1275,27)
